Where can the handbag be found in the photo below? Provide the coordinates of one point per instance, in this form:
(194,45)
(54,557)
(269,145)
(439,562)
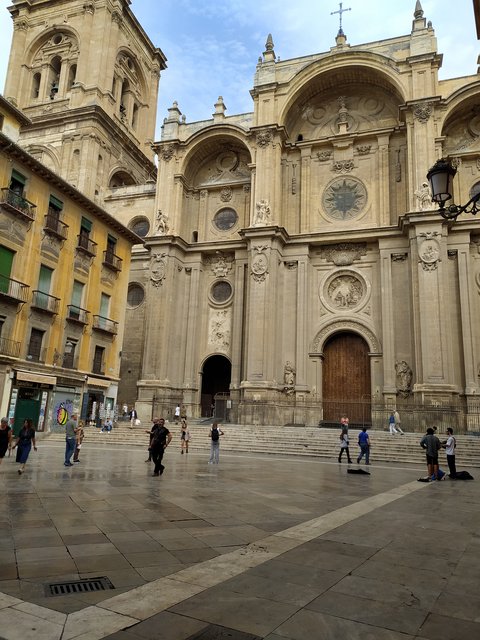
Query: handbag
(137,422)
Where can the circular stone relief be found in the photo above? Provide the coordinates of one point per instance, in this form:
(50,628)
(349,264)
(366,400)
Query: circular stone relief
(221,291)
(344,291)
(135,295)
(344,198)
(225,219)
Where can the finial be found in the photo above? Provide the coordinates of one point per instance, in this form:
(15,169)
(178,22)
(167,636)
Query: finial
(341,11)
(269,53)
(418,10)
(269,43)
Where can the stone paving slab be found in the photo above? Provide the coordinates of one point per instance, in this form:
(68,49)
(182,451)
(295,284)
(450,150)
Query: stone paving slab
(257,547)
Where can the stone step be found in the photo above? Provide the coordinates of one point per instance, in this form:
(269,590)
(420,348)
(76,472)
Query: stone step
(310,441)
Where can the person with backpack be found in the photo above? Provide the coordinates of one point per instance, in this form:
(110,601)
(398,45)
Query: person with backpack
(432,445)
(215,433)
(450,445)
(159,440)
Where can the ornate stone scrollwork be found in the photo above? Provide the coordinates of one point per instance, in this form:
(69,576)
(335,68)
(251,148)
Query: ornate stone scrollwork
(259,270)
(167,152)
(346,325)
(89,7)
(404,377)
(422,111)
(158,269)
(364,149)
(399,257)
(429,251)
(343,166)
(219,330)
(264,138)
(344,254)
(226,194)
(221,265)
(323,156)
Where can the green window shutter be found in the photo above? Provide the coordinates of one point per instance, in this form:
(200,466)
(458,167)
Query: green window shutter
(6,261)
(55,203)
(77,294)
(45,279)
(86,224)
(18,177)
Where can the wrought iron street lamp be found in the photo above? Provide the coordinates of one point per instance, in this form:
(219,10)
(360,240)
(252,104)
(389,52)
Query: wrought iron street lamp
(440,178)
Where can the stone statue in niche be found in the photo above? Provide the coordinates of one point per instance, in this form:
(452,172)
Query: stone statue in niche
(263,214)
(424,197)
(404,378)
(161,224)
(289,377)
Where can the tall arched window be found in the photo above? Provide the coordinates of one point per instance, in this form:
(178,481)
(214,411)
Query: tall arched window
(37,79)
(54,76)
(72,73)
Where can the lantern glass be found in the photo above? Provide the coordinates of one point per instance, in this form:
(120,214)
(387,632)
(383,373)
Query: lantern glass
(440,178)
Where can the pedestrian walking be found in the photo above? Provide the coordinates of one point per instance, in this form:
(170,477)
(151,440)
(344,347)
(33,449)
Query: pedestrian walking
(133,416)
(398,422)
(5,438)
(184,436)
(432,446)
(364,444)
(177,413)
(344,439)
(79,436)
(70,439)
(391,423)
(215,433)
(159,441)
(450,445)
(25,440)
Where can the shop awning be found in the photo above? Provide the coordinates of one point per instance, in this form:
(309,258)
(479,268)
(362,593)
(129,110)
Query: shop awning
(98,382)
(28,376)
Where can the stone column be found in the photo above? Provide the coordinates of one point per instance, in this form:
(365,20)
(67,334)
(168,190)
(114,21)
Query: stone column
(388,318)
(383,171)
(18,80)
(237,324)
(190,377)
(305,190)
(302,321)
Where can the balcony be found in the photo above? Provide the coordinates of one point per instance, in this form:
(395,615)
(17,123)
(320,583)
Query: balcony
(45,303)
(77,314)
(12,290)
(55,227)
(112,261)
(85,245)
(17,204)
(9,348)
(105,324)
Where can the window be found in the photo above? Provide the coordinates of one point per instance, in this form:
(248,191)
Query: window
(104,305)
(6,262)
(55,207)
(225,219)
(35,345)
(71,76)
(135,295)
(97,366)
(37,79)
(54,75)
(140,226)
(17,183)
(69,353)
(111,246)
(221,291)
(84,241)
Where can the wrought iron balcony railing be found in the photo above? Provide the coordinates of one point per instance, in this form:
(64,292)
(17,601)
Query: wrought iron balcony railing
(9,348)
(77,314)
(13,290)
(86,245)
(105,324)
(16,203)
(112,261)
(45,302)
(54,226)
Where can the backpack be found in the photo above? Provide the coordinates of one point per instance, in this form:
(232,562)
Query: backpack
(215,434)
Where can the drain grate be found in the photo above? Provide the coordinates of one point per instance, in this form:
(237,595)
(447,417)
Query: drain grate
(78,586)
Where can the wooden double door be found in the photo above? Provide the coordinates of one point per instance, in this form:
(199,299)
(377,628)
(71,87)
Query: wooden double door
(346,387)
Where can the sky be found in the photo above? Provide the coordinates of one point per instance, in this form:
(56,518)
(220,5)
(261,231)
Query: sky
(212,47)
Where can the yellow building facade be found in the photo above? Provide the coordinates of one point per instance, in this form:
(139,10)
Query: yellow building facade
(64,264)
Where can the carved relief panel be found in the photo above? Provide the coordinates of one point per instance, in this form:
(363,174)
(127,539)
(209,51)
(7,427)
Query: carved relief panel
(219,329)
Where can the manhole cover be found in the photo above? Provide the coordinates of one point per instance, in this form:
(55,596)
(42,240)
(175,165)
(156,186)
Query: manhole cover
(78,586)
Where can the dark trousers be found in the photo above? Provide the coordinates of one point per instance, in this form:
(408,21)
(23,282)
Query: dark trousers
(451,466)
(157,455)
(342,449)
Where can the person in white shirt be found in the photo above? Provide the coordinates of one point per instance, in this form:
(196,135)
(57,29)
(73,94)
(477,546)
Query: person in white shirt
(450,445)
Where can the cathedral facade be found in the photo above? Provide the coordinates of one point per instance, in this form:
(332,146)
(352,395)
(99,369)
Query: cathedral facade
(293,267)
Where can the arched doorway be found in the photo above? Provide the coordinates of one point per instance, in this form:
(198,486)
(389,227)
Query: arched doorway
(346,379)
(217,374)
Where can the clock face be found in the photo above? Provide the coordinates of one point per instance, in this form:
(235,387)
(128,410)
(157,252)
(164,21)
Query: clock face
(344,198)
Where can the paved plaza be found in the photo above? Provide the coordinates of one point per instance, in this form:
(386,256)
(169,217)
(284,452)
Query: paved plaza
(256,547)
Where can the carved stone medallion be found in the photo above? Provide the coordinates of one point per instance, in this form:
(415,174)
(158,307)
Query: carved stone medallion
(344,198)
(429,255)
(158,269)
(345,291)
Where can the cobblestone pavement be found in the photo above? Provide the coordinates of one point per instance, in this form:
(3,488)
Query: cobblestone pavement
(256,547)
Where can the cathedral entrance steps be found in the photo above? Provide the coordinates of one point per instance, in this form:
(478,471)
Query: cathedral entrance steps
(308,441)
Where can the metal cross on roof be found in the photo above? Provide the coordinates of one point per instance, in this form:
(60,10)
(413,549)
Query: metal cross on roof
(341,11)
